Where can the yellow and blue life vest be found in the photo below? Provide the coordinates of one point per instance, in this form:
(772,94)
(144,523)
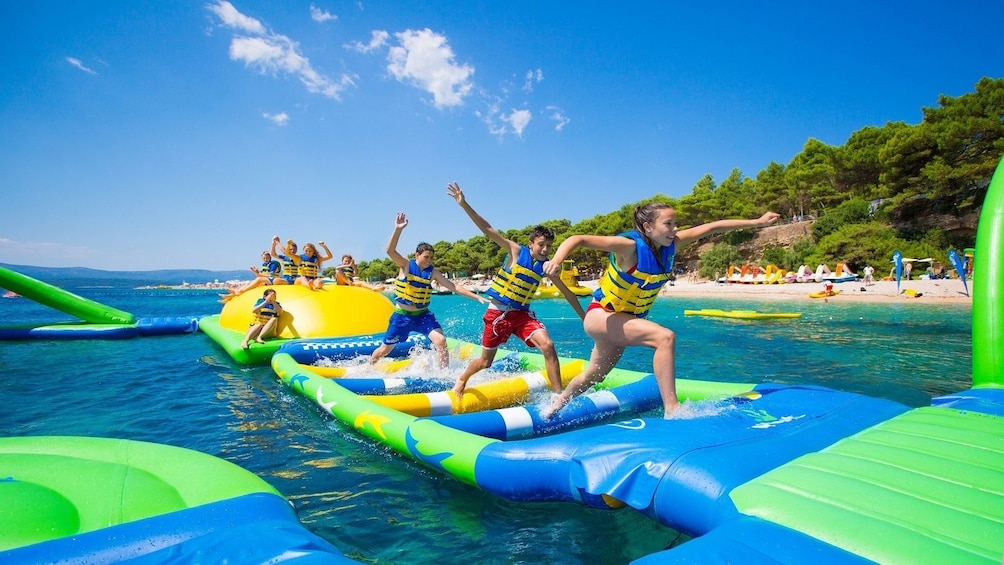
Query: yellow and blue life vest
(308,266)
(344,274)
(516,285)
(266,313)
(635,292)
(289,268)
(271,268)
(415,287)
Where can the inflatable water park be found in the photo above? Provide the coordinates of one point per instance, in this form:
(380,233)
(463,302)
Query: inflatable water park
(775,474)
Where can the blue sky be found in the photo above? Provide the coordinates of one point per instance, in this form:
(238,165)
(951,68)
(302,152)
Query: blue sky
(149,135)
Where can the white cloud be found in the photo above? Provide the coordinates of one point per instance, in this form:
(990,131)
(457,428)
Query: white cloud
(532,76)
(518,120)
(234,19)
(424,60)
(77,63)
(490,117)
(558,117)
(321,16)
(280,119)
(378,38)
(274,53)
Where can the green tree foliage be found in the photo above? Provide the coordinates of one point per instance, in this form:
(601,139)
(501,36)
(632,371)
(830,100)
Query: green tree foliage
(377,270)
(968,135)
(772,186)
(853,211)
(718,259)
(784,257)
(857,245)
(880,173)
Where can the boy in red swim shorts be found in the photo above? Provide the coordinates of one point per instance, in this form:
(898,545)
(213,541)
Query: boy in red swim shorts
(510,293)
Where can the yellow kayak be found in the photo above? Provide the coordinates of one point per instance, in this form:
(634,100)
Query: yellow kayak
(823,294)
(741,314)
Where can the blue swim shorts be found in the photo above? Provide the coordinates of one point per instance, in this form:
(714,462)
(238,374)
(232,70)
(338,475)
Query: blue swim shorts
(403,322)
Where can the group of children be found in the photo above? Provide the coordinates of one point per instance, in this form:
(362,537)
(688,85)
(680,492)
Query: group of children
(640,264)
(285,266)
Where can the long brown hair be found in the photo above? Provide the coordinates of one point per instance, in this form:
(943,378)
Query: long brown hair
(646,214)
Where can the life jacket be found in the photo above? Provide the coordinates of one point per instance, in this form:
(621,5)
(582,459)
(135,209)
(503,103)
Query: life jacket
(516,285)
(289,268)
(635,292)
(344,274)
(308,265)
(266,313)
(414,288)
(270,268)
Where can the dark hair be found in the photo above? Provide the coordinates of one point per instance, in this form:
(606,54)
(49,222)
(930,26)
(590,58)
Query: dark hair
(541,231)
(423,247)
(646,214)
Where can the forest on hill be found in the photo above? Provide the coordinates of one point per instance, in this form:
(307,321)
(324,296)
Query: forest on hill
(913,188)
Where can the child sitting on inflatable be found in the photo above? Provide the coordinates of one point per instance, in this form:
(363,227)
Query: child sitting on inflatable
(345,273)
(266,311)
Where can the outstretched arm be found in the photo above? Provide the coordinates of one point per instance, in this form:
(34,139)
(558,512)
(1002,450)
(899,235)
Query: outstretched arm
(400,222)
(569,295)
(621,247)
(275,247)
(453,189)
(461,290)
(690,235)
(327,252)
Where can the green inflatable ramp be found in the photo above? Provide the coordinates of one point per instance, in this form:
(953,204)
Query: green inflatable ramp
(62,300)
(923,487)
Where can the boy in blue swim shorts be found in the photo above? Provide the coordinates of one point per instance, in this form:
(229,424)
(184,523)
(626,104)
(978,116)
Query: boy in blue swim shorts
(412,295)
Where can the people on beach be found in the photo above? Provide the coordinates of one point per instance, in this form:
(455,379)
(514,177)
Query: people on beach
(869,273)
(309,266)
(269,273)
(288,258)
(346,272)
(266,311)
(641,262)
(412,296)
(511,290)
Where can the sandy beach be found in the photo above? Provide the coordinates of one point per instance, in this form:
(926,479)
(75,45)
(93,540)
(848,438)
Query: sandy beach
(940,291)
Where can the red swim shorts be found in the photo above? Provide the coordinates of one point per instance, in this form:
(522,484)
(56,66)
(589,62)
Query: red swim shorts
(500,324)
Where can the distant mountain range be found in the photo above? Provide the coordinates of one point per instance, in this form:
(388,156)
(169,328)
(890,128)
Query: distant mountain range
(82,276)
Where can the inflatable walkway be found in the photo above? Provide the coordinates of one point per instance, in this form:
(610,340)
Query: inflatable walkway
(99,320)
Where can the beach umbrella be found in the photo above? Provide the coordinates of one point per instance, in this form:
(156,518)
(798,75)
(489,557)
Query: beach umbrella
(897,258)
(960,266)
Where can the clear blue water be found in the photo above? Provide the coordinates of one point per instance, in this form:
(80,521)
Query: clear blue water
(379,507)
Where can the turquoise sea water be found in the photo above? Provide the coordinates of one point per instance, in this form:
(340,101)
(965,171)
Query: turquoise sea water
(379,507)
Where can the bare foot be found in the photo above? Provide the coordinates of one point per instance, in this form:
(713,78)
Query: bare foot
(669,411)
(557,403)
(244,345)
(259,341)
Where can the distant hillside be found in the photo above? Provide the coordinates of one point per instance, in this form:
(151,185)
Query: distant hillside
(82,276)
